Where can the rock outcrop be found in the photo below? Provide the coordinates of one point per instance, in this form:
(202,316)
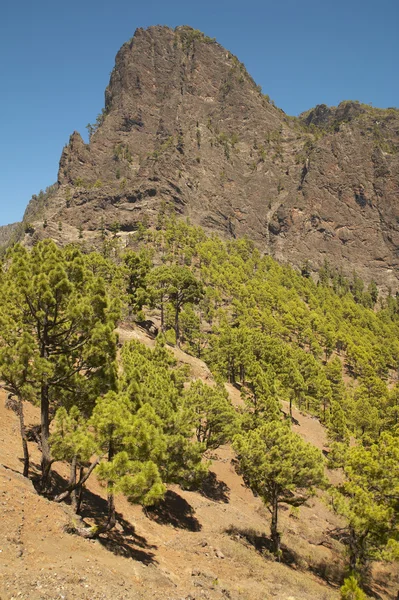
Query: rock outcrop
(185,125)
(7,232)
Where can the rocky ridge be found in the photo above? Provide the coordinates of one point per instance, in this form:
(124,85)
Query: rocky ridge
(186,127)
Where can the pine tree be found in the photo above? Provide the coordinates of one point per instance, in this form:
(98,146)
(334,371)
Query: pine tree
(133,444)
(279,466)
(262,400)
(17,368)
(179,286)
(368,498)
(73,441)
(51,299)
(137,265)
(213,417)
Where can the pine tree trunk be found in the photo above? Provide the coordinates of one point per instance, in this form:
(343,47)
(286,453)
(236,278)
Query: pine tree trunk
(162,317)
(353,553)
(83,477)
(92,533)
(111,512)
(23,437)
(177,331)
(79,492)
(45,434)
(111,498)
(72,481)
(44,414)
(275,535)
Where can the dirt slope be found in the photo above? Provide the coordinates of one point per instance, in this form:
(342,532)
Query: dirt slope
(196,545)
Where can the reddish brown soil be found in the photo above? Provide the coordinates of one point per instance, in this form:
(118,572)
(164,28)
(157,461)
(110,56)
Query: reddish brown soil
(209,545)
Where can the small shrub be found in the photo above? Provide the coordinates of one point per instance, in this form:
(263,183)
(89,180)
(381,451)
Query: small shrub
(351,590)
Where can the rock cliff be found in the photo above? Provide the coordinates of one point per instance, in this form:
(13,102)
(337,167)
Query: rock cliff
(184,125)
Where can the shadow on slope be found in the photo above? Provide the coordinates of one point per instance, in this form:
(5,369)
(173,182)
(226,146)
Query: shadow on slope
(214,489)
(176,511)
(261,543)
(331,573)
(122,540)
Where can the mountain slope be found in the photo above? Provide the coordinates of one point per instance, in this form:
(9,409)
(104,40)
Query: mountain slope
(186,126)
(7,232)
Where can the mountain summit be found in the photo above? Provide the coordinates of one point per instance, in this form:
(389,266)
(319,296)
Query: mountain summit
(185,126)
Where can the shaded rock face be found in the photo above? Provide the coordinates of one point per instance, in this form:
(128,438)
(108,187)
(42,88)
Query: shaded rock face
(186,126)
(6,233)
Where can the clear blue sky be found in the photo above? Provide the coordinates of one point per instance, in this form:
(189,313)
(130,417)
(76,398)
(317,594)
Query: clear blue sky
(56,57)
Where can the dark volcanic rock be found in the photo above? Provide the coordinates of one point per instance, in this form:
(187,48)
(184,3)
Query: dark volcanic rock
(184,124)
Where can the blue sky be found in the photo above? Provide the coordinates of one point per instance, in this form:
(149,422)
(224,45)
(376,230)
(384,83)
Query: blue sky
(56,56)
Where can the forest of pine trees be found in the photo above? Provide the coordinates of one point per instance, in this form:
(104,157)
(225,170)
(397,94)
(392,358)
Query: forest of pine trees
(131,417)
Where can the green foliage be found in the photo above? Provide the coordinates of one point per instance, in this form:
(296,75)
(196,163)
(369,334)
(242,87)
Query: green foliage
(177,285)
(137,266)
(58,315)
(122,152)
(38,204)
(211,413)
(71,437)
(142,433)
(92,127)
(368,499)
(256,311)
(330,348)
(133,442)
(351,590)
(166,145)
(152,379)
(188,36)
(279,466)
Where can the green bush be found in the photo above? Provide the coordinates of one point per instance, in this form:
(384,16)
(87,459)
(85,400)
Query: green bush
(351,590)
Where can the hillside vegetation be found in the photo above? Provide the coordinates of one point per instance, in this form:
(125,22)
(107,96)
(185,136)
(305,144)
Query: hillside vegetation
(134,417)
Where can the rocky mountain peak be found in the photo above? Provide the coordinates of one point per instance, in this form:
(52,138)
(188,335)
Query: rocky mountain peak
(185,125)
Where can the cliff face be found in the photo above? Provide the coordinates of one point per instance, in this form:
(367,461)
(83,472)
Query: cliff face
(185,125)
(6,233)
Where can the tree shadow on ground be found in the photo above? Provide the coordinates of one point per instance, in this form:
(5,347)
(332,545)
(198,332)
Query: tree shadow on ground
(341,534)
(214,489)
(332,573)
(122,540)
(174,510)
(287,417)
(262,544)
(149,327)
